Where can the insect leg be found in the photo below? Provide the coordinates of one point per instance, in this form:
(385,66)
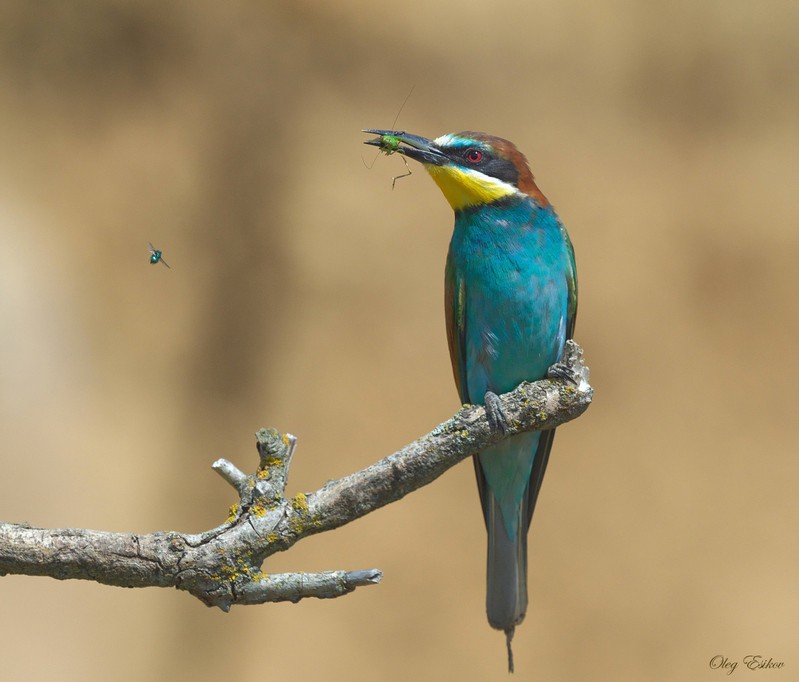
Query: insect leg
(404,175)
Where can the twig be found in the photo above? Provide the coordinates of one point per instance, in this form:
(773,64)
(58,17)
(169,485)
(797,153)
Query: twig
(222,566)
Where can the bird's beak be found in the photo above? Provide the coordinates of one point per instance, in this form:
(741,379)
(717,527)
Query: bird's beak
(414,147)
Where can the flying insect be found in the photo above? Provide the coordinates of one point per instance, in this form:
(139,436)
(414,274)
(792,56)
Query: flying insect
(156,255)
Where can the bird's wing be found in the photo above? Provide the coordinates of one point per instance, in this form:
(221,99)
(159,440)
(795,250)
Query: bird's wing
(455,309)
(571,283)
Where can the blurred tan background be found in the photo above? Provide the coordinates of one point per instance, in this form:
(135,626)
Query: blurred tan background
(305,294)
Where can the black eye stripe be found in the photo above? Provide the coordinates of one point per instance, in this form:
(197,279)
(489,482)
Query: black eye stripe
(499,168)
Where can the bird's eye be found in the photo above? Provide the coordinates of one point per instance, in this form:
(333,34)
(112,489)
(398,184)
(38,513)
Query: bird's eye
(474,155)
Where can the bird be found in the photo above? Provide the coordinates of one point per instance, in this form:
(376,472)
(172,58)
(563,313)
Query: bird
(156,256)
(510,303)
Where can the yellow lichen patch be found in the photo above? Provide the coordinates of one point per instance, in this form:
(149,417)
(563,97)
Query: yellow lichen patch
(270,461)
(263,474)
(285,439)
(258,509)
(300,524)
(239,568)
(300,503)
(232,513)
(272,537)
(229,573)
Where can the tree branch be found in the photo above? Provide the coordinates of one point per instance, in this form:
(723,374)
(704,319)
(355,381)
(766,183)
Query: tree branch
(222,566)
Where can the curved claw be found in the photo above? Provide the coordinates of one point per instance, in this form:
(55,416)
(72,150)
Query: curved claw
(571,367)
(497,419)
(564,372)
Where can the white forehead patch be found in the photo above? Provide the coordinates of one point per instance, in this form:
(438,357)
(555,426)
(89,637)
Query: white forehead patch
(451,139)
(447,139)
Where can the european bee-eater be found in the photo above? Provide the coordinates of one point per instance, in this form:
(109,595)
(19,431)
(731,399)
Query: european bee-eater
(511,302)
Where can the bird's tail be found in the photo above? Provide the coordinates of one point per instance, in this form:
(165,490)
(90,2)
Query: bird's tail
(506,594)
(509,477)
(508,640)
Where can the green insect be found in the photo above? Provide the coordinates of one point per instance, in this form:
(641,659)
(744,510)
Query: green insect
(389,144)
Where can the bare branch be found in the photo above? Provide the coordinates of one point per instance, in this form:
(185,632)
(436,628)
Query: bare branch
(231,473)
(222,566)
(294,586)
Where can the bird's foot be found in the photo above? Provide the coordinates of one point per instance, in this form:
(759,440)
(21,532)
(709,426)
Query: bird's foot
(571,366)
(563,372)
(497,419)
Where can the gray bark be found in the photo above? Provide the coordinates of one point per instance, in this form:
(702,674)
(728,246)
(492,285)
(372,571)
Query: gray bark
(222,566)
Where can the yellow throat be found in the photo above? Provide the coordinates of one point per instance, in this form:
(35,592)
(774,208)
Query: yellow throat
(463,188)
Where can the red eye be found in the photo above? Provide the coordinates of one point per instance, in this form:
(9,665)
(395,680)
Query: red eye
(474,155)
